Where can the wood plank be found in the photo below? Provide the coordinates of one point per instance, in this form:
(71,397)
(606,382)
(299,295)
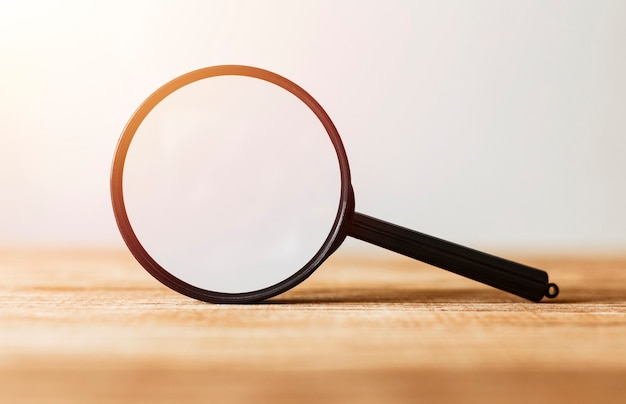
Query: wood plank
(93,325)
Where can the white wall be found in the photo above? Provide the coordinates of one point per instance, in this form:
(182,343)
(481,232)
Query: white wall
(497,124)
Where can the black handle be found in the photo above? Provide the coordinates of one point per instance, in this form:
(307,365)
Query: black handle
(521,280)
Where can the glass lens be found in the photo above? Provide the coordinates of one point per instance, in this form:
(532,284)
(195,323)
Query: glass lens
(231,184)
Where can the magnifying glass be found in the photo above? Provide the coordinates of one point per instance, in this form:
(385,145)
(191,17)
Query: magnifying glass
(230,184)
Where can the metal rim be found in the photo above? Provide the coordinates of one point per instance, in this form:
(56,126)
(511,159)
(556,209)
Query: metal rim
(337,232)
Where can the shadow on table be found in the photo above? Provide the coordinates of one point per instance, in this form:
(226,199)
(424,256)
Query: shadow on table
(438,296)
(403,296)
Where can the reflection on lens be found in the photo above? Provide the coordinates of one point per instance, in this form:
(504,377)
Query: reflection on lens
(231,184)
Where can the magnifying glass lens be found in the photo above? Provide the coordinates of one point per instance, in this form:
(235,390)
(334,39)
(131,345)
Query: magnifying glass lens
(231,184)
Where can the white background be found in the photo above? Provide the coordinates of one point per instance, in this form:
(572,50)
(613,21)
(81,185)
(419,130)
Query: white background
(498,124)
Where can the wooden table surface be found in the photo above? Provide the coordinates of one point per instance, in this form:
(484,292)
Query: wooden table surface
(93,326)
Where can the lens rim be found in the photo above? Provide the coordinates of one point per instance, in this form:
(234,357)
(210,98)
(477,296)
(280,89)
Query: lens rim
(336,235)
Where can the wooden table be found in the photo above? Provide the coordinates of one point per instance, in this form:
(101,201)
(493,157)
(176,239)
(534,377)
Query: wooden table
(93,326)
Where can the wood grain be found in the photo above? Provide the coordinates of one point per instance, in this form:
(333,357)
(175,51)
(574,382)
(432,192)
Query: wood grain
(93,326)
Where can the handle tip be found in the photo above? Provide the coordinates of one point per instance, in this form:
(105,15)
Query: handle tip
(552,291)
